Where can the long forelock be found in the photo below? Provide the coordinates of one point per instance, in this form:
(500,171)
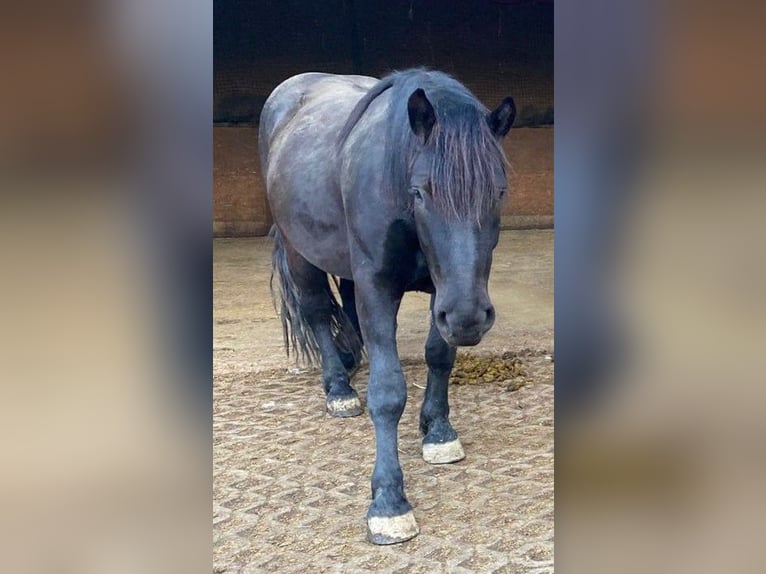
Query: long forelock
(463,172)
(465,151)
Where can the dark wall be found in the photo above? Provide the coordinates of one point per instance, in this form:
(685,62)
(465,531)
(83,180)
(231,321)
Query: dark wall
(495,47)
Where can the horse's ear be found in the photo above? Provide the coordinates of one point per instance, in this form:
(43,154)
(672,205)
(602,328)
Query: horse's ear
(422,115)
(501,120)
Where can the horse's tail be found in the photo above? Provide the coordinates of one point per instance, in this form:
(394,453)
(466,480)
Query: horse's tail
(296,331)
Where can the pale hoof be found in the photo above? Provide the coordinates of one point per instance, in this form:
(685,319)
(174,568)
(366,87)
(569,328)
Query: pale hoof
(391,529)
(345,407)
(444,452)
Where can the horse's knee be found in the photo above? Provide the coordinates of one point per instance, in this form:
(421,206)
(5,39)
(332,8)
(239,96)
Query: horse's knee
(387,397)
(386,407)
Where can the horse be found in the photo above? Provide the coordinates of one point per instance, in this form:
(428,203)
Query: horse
(380,187)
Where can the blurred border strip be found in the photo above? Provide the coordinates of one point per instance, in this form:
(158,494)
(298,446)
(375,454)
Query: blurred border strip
(106,251)
(660,319)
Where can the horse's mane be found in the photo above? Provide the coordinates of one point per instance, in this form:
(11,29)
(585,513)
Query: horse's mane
(465,149)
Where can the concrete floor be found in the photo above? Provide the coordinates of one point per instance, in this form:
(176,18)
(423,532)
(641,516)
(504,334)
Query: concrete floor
(248,335)
(291,484)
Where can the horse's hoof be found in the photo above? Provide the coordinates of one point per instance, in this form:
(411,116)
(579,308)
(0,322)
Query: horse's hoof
(443,452)
(391,529)
(344,407)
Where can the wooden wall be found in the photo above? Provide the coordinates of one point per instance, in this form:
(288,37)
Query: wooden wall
(239,199)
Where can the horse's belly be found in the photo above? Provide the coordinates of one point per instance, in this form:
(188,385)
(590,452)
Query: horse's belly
(312,219)
(328,250)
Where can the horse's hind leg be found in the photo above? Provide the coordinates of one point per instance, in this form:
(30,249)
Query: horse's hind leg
(318,308)
(440,441)
(347,297)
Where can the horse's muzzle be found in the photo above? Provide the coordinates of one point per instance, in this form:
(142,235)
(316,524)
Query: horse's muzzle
(465,327)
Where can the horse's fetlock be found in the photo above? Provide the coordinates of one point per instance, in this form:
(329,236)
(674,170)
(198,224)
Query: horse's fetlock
(438,430)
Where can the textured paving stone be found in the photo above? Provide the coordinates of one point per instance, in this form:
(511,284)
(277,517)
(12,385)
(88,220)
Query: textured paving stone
(291,484)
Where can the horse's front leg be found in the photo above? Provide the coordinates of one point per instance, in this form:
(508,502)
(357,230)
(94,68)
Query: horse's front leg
(440,441)
(389,518)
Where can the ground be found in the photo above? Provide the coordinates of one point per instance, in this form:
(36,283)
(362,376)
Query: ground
(291,484)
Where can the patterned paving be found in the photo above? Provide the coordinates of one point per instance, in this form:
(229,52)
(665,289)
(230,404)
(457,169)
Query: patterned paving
(292,484)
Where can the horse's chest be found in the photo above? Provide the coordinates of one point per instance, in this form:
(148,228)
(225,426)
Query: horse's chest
(404,264)
(420,278)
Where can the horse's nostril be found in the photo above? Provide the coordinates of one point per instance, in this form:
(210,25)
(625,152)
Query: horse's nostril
(490,318)
(441,317)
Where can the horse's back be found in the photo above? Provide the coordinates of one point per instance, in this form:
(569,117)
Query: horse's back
(298,133)
(288,101)
(281,105)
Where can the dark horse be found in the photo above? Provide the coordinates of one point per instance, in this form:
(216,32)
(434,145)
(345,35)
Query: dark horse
(388,186)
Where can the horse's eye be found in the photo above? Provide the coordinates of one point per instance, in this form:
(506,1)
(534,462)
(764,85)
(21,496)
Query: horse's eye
(501,193)
(417,193)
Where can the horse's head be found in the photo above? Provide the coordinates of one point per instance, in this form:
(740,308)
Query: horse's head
(456,194)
